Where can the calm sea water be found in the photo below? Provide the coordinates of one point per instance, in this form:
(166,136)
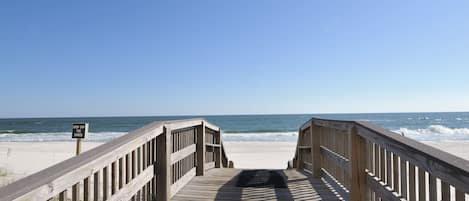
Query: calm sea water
(418,126)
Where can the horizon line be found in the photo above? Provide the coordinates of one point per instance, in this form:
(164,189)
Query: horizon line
(248,114)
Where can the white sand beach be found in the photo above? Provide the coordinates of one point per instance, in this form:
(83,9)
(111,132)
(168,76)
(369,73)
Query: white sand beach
(20,159)
(260,155)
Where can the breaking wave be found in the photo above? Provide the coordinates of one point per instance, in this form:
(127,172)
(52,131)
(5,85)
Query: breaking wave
(58,136)
(268,136)
(435,133)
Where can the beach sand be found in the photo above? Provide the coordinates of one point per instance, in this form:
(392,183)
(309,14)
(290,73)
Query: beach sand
(20,159)
(260,155)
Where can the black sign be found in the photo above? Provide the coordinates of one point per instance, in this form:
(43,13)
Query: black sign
(79,130)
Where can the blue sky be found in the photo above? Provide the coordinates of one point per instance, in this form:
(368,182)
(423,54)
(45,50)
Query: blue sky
(119,58)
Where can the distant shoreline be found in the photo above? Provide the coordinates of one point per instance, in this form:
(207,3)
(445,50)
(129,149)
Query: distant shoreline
(218,115)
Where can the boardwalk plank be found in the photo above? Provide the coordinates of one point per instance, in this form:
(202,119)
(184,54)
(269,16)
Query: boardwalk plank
(220,184)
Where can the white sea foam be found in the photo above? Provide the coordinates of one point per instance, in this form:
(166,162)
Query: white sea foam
(435,133)
(107,136)
(267,136)
(58,136)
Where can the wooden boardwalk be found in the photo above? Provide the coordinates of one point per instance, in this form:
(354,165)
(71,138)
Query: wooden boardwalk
(220,184)
(186,160)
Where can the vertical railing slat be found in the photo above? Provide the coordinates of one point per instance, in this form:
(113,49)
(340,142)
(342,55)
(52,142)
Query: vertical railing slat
(96,184)
(412,190)
(422,184)
(358,160)
(164,165)
(395,181)
(200,149)
(445,191)
(86,189)
(106,192)
(315,132)
(121,172)
(63,196)
(404,191)
(460,195)
(76,192)
(377,166)
(432,188)
(388,168)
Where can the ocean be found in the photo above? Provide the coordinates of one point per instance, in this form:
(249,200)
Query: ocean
(418,126)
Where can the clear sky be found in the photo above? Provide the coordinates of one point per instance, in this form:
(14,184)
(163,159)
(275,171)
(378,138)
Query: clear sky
(119,58)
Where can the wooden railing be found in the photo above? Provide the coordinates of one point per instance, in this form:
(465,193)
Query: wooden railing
(153,162)
(365,162)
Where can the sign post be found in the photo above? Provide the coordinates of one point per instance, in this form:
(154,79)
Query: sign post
(79,132)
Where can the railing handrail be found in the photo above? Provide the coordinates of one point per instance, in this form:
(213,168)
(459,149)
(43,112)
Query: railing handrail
(431,152)
(58,177)
(448,167)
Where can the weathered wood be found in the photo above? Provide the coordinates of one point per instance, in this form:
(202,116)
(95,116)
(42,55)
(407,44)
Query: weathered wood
(382,165)
(339,160)
(63,196)
(379,187)
(388,168)
(53,180)
(212,145)
(460,196)
(404,178)
(443,165)
(164,165)
(97,191)
(134,185)
(217,151)
(308,166)
(422,190)
(200,149)
(181,154)
(217,184)
(182,181)
(209,165)
(121,173)
(445,191)
(412,190)
(432,188)
(76,192)
(395,164)
(127,169)
(106,187)
(358,165)
(86,189)
(388,162)
(338,125)
(315,132)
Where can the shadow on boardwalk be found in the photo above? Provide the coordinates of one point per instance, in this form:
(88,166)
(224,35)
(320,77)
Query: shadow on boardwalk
(222,184)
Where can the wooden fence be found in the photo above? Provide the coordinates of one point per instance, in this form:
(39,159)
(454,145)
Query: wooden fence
(365,162)
(151,163)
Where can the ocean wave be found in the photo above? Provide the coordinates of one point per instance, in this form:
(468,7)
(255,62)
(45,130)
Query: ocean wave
(258,131)
(57,136)
(14,132)
(107,136)
(435,133)
(267,136)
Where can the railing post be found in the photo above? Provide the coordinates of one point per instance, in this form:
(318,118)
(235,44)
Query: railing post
(217,150)
(315,150)
(299,158)
(163,169)
(358,166)
(200,150)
